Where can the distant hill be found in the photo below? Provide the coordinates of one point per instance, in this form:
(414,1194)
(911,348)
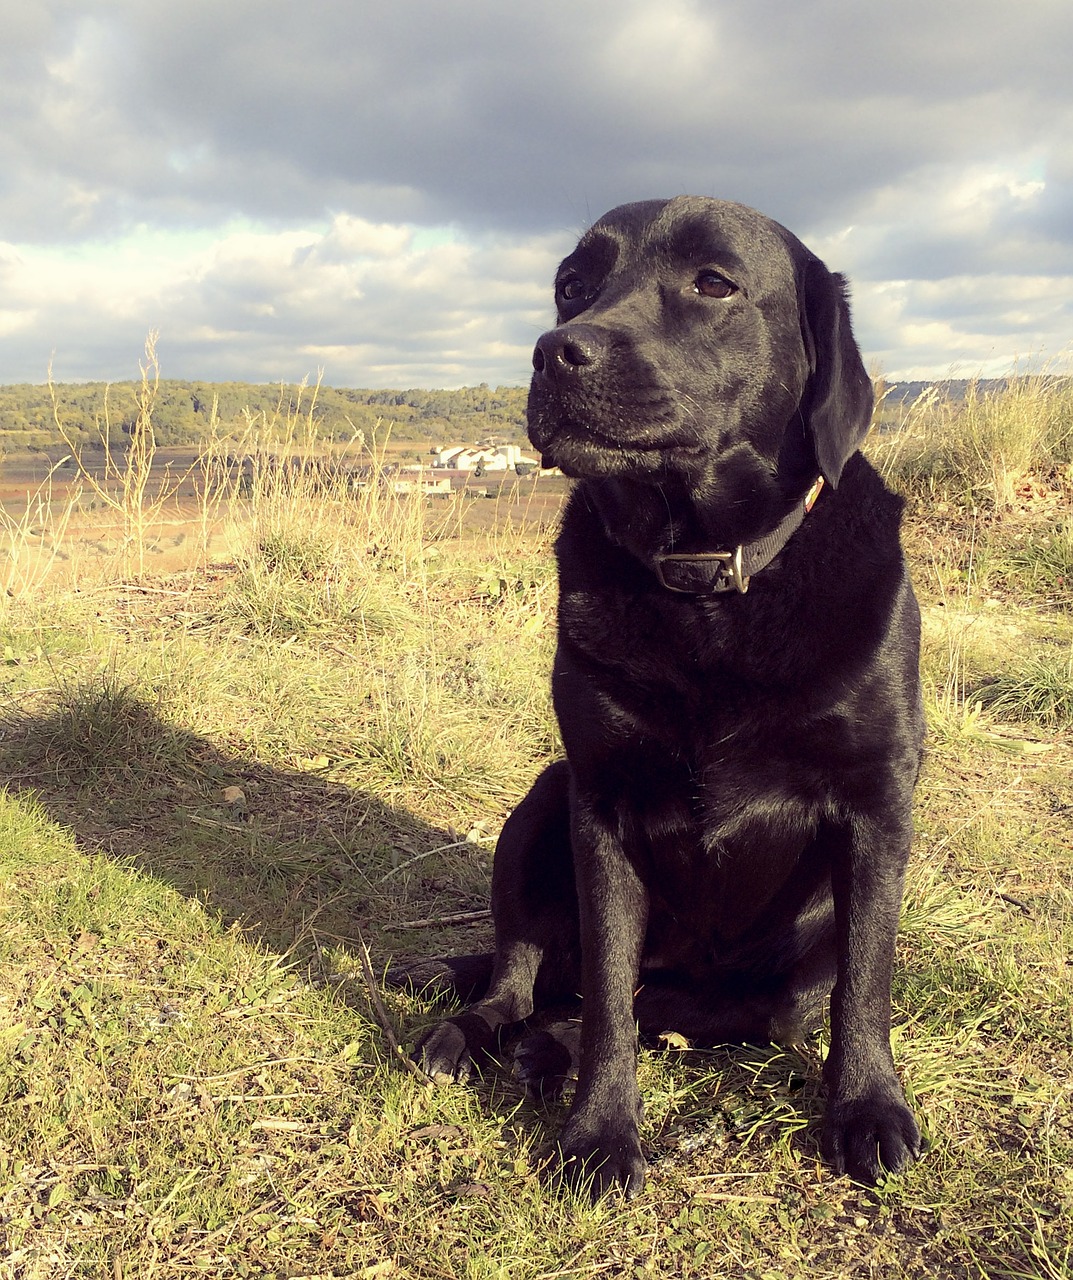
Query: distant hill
(186,412)
(905,393)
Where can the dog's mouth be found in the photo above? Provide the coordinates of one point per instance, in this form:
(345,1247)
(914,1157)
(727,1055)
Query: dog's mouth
(581,450)
(545,434)
(582,447)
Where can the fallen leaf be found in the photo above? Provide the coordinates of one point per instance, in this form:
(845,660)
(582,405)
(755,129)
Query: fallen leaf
(435,1131)
(470,1191)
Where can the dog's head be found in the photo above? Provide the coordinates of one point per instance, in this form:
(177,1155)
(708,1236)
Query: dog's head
(700,339)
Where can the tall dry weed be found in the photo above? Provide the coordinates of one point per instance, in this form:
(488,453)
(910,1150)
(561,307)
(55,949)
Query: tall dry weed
(127,482)
(981,450)
(34,542)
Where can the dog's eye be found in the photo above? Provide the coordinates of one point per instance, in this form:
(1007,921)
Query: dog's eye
(572,288)
(712,285)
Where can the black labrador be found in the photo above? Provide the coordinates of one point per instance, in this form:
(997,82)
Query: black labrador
(737,686)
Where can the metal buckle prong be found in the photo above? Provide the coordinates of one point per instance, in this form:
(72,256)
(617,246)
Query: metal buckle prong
(736,572)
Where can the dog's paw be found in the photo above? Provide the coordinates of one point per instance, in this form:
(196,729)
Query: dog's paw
(871,1137)
(456,1049)
(546,1060)
(601,1163)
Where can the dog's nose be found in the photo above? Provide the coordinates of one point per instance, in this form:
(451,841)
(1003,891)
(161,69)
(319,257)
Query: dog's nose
(567,351)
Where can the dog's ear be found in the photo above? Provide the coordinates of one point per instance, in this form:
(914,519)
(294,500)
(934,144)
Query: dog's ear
(837,404)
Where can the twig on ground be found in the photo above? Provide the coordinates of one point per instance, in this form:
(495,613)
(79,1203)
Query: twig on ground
(741,1199)
(1016,902)
(442,848)
(454,917)
(381,1015)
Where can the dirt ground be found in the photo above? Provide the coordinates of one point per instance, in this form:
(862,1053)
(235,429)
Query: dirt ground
(57,529)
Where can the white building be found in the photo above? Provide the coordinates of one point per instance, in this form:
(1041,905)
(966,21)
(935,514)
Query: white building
(503,457)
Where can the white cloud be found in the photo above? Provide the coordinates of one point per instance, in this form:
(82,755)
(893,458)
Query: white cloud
(984,325)
(388,186)
(368,303)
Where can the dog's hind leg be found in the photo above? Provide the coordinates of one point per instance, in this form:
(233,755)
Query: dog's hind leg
(444,978)
(546,1056)
(537,947)
(781,1015)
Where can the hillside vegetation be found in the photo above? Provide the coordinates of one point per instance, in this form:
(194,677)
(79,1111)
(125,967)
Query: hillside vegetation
(235,792)
(193,412)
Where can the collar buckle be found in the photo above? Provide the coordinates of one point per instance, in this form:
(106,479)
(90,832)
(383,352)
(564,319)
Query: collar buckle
(692,574)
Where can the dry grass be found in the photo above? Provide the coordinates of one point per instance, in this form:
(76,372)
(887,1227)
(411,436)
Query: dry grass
(985,449)
(223,783)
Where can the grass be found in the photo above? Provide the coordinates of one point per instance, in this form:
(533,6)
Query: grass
(126,484)
(221,785)
(988,449)
(1040,690)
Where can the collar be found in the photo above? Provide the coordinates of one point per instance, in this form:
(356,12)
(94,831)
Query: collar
(706,573)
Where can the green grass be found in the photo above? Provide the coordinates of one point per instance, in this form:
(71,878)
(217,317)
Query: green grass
(221,786)
(1040,689)
(1043,562)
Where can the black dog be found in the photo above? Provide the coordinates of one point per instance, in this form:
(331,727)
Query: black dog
(727,838)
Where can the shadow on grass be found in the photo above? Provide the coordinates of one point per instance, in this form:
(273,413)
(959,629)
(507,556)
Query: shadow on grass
(299,862)
(311,869)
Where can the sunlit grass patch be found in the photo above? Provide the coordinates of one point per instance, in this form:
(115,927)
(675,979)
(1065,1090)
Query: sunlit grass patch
(982,450)
(1039,689)
(160,1070)
(1044,563)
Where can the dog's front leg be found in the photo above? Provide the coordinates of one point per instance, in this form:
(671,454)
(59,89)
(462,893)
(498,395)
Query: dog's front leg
(600,1141)
(869,1129)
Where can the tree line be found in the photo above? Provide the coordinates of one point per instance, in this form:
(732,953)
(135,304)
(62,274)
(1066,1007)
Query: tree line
(185,413)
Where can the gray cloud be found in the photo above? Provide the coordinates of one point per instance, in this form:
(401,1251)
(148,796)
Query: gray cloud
(926,144)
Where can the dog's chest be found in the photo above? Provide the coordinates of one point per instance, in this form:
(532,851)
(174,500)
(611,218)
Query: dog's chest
(745,828)
(715,768)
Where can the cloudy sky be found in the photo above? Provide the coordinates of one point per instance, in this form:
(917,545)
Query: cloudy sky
(382,190)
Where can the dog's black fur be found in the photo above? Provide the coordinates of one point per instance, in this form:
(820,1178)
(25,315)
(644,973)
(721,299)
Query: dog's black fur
(727,838)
